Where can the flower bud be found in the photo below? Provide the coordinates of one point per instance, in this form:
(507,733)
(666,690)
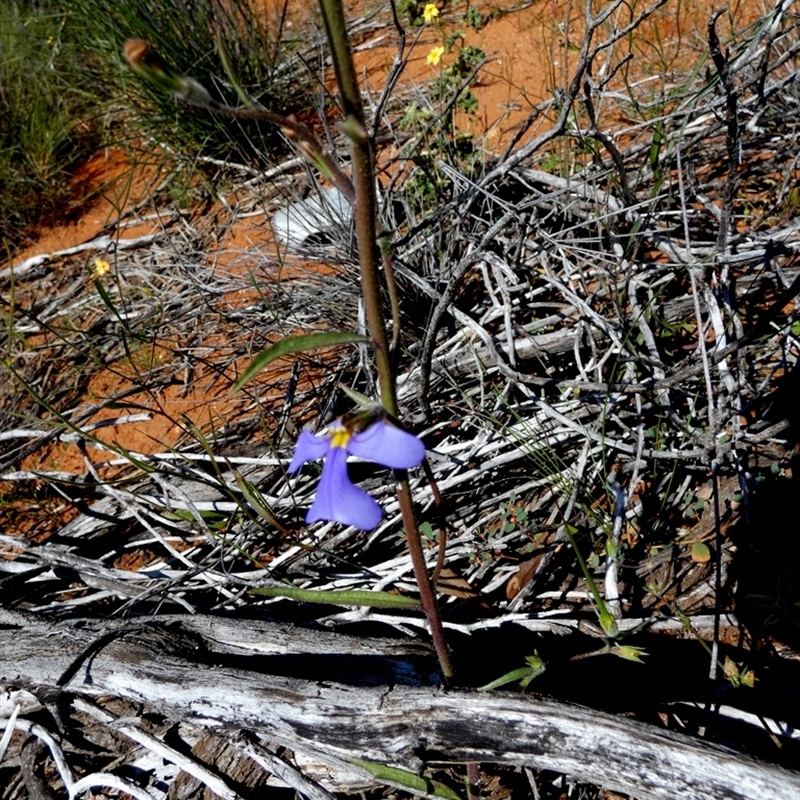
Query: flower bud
(609,624)
(149,65)
(629,652)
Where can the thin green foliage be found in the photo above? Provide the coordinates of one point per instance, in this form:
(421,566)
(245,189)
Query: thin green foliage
(344,597)
(404,779)
(45,112)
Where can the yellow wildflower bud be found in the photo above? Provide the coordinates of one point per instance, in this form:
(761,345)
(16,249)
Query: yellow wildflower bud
(101,267)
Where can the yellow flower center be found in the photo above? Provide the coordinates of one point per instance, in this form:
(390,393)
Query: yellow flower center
(339,437)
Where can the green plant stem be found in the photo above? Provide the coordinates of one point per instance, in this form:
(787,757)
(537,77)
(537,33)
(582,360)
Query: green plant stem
(606,618)
(363,177)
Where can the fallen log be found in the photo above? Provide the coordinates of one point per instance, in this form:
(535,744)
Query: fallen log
(190,670)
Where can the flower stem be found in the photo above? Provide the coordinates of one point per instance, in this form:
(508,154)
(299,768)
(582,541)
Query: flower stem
(426,594)
(365,212)
(363,177)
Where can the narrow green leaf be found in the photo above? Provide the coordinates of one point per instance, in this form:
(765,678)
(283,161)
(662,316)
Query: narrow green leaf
(257,502)
(655,145)
(233,78)
(105,297)
(356,397)
(296,344)
(213,518)
(409,780)
(345,597)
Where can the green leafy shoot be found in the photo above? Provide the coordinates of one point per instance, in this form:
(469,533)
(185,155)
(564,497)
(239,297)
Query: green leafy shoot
(535,667)
(604,616)
(257,502)
(358,398)
(106,298)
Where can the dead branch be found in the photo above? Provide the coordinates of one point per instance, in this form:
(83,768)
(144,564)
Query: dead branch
(182,675)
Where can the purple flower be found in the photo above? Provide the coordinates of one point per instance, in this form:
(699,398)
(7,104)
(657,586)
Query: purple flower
(338,500)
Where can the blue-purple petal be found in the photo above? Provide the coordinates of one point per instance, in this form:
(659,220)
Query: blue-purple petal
(338,500)
(310,447)
(387,445)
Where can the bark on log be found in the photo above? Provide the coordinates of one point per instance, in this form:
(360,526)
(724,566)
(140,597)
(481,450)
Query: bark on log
(182,674)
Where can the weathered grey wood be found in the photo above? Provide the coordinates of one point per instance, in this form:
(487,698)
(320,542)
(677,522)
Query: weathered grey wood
(174,673)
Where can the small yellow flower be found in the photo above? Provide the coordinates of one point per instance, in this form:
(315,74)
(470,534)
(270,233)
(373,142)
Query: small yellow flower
(101,267)
(430,13)
(435,56)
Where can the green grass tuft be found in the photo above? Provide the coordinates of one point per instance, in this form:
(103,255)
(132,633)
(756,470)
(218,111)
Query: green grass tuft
(44,114)
(196,38)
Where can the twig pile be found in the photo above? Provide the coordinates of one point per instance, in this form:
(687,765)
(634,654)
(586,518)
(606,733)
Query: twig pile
(601,349)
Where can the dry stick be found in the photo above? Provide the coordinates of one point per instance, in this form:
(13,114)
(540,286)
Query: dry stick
(103,243)
(398,65)
(30,760)
(660,383)
(108,780)
(607,142)
(133,730)
(366,234)
(555,414)
(56,754)
(279,768)
(732,136)
(781,7)
(434,322)
(712,416)
(732,144)
(701,343)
